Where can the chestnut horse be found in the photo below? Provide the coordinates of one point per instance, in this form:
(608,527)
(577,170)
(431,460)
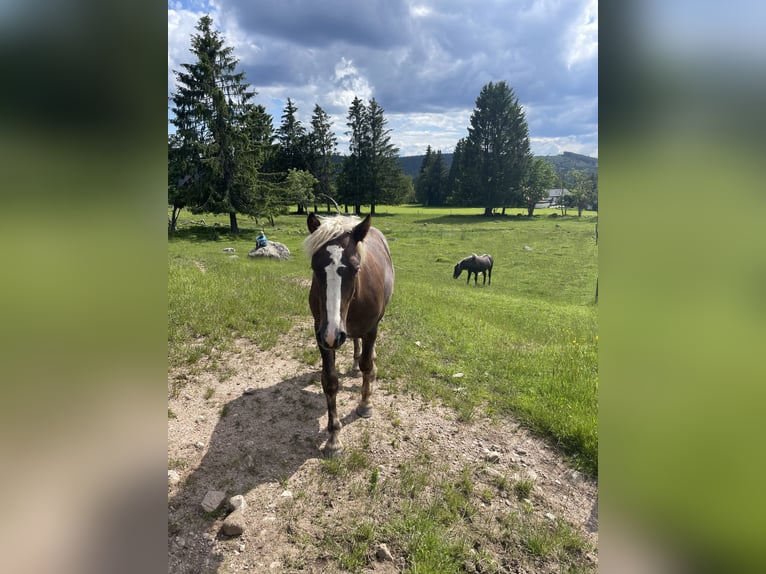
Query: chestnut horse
(353,280)
(475,264)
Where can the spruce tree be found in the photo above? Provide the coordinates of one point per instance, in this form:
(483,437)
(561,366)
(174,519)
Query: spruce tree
(210,105)
(323,145)
(353,181)
(497,152)
(385,179)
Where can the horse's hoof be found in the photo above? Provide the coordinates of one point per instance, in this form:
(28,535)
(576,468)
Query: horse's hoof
(364,412)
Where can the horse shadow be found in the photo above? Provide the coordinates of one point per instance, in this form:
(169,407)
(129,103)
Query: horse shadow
(263,436)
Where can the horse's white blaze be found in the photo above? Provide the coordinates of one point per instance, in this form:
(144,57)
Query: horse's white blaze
(333,292)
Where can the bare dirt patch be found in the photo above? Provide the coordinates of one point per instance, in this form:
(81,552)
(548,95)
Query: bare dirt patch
(257,430)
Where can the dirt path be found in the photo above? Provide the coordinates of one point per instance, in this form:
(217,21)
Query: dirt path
(258,433)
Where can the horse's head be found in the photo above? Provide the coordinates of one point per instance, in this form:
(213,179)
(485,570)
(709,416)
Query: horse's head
(336,250)
(458,271)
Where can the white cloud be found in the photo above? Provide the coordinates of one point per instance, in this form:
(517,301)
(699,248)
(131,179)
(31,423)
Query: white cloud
(583,36)
(348,83)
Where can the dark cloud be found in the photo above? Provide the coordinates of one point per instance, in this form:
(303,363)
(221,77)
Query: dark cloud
(422,57)
(375,23)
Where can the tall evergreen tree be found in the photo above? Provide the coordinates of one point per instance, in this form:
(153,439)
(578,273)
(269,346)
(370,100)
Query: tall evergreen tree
(292,140)
(323,144)
(352,181)
(371,173)
(382,160)
(210,105)
(497,151)
(431,182)
(258,161)
(456,176)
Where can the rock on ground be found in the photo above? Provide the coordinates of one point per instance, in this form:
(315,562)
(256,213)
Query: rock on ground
(273,250)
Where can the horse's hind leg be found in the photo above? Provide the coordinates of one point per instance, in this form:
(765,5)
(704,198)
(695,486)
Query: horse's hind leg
(330,388)
(369,372)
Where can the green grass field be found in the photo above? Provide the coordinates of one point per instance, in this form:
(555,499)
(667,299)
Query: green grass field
(526,345)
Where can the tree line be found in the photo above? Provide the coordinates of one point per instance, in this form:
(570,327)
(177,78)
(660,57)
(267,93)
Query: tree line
(493,167)
(226,157)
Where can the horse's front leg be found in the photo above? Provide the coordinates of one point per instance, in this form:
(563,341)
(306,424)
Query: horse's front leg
(469,278)
(330,388)
(357,354)
(369,372)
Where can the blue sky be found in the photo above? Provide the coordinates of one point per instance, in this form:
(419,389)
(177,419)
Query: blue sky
(424,61)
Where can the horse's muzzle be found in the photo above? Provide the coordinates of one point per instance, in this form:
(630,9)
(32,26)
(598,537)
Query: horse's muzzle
(331,339)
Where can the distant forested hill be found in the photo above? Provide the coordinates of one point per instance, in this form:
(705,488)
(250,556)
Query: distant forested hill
(562,163)
(567,161)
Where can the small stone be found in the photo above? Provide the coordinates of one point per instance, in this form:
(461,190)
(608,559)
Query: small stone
(491,456)
(228,250)
(520,451)
(527,248)
(458,375)
(237,501)
(249,391)
(213,500)
(234,524)
(286,494)
(493,473)
(199,445)
(181,541)
(383,554)
(550,516)
(173,477)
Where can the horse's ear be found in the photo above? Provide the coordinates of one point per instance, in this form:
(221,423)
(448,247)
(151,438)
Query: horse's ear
(313,222)
(360,231)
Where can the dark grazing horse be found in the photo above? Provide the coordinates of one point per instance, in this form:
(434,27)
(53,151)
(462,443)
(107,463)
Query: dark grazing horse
(475,264)
(353,280)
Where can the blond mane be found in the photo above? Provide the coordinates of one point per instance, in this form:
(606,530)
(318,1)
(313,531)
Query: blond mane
(329,229)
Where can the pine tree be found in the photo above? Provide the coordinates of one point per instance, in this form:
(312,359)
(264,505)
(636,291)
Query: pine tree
(497,152)
(210,105)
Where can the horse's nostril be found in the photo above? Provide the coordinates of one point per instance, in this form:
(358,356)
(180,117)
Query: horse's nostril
(341,338)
